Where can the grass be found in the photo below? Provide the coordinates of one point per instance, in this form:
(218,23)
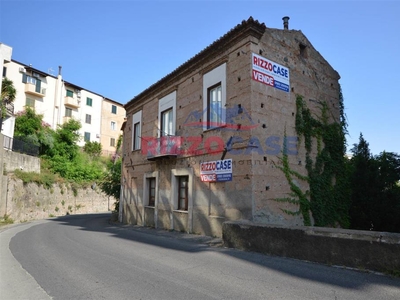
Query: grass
(45,178)
(5,220)
(394,273)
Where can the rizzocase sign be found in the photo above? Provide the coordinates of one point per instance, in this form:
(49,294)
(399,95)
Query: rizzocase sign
(216,171)
(270,73)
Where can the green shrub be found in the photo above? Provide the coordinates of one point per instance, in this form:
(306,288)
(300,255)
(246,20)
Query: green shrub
(6,220)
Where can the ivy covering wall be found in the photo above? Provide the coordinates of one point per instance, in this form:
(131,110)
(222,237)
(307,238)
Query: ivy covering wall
(327,201)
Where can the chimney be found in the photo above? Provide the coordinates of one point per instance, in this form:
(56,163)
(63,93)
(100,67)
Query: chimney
(59,70)
(285,23)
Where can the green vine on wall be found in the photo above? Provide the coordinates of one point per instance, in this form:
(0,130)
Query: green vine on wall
(328,198)
(297,196)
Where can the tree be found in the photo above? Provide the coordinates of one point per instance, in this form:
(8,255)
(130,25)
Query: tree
(8,95)
(364,176)
(67,137)
(31,128)
(111,183)
(92,148)
(375,190)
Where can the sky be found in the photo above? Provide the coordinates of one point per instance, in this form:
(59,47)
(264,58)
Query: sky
(118,48)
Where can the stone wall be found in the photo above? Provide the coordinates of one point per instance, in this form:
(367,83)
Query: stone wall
(368,250)
(26,202)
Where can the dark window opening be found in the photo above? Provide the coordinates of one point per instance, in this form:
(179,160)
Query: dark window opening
(136,136)
(303,52)
(214,106)
(183,182)
(167,122)
(152,191)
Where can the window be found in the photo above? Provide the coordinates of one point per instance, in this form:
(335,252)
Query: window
(68,112)
(31,80)
(214,98)
(87,137)
(166,122)
(214,106)
(70,93)
(89,101)
(113,109)
(136,136)
(88,119)
(151,182)
(112,125)
(112,142)
(150,188)
(303,50)
(4,72)
(167,115)
(136,132)
(183,192)
(30,102)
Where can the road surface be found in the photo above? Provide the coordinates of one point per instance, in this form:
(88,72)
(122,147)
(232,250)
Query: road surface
(86,257)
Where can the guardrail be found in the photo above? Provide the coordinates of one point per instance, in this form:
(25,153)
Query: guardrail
(18,145)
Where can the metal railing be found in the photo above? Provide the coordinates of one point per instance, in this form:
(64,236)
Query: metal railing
(9,108)
(18,145)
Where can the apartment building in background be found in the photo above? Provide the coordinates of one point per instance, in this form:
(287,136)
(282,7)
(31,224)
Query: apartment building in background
(7,120)
(59,101)
(113,117)
(203,145)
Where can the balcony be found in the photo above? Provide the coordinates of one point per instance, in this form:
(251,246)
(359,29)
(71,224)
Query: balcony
(71,102)
(9,108)
(34,90)
(66,119)
(164,147)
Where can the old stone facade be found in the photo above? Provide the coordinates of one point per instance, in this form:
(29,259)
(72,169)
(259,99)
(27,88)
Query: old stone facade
(202,145)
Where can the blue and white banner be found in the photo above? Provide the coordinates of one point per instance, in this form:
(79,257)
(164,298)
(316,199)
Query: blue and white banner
(216,171)
(270,73)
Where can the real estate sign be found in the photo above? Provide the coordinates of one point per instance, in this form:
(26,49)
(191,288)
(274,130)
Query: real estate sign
(216,171)
(270,73)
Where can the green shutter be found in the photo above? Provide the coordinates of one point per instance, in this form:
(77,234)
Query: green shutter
(38,83)
(24,78)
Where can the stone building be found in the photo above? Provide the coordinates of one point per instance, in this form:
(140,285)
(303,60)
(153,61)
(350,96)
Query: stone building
(203,144)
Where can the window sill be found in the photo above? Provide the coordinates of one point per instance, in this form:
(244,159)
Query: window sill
(216,217)
(215,128)
(149,206)
(180,211)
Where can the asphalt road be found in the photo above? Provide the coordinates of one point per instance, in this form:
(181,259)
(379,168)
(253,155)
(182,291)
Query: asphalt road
(85,257)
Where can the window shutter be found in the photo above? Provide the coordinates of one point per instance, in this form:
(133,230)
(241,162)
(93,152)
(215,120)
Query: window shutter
(24,78)
(38,83)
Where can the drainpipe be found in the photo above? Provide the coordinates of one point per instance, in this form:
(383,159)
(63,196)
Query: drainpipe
(56,97)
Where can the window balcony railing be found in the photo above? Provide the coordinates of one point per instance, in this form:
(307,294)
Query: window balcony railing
(34,90)
(71,102)
(163,147)
(66,119)
(18,145)
(9,107)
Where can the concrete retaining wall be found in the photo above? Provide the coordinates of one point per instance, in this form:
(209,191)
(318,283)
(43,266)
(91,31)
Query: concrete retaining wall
(377,251)
(14,160)
(26,202)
